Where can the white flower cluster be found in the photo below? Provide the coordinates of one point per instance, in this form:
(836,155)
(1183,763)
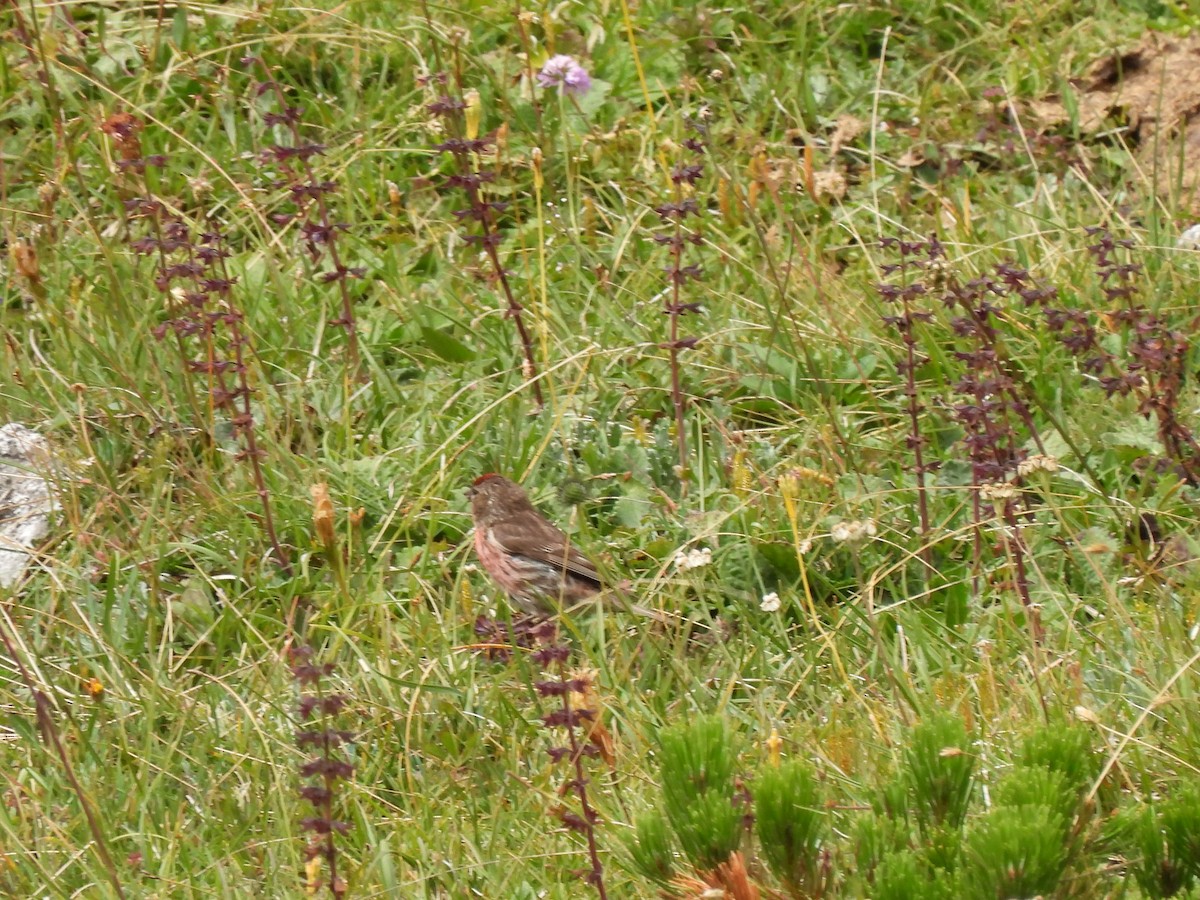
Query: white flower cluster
(852,532)
(770,602)
(1037,463)
(695,558)
(1189,239)
(1001,490)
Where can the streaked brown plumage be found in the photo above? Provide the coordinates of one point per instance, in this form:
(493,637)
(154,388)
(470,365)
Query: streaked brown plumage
(530,558)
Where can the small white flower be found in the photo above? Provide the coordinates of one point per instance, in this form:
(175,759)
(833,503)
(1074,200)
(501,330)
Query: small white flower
(770,602)
(852,532)
(200,186)
(1190,238)
(695,558)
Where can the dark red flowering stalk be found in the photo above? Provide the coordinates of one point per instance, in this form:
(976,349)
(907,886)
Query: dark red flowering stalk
(553,656)
(992,414)
(992,410)
(1154,366)
(325,770)
(978,302)
(470,178)
(191,274)
(308,196)
(905,294)
(674,215)
(989,413)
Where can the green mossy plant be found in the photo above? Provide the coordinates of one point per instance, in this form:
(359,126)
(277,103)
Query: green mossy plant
(697,770)
(792,827)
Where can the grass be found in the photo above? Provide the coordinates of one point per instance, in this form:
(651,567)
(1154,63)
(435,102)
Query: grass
(157,620)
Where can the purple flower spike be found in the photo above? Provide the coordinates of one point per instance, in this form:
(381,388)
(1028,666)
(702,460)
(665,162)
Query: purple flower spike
(566,74)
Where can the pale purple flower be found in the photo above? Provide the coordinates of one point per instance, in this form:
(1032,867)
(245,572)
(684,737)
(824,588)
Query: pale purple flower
(566,74)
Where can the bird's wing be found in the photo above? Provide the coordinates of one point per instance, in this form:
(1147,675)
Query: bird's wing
(544,543)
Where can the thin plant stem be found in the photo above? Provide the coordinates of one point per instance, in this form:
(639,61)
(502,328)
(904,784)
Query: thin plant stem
(916,439)
(677,398)
(46,725)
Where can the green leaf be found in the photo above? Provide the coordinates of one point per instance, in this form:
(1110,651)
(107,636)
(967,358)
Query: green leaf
(594,98)
(179,26)
(23,727)
(1137,433)
(632,506)
(448,348)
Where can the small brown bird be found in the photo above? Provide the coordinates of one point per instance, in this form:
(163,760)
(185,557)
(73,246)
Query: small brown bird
(531,559)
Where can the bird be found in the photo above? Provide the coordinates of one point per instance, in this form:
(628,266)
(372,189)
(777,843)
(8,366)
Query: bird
(524,552)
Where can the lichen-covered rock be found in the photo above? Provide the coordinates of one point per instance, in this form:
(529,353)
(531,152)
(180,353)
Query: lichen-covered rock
(25,498)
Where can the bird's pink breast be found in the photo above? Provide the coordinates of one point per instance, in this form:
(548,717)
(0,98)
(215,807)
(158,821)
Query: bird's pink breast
(498,563)
(525,579)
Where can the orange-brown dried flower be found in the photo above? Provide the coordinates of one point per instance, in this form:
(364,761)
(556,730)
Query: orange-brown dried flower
(323,513)
(25,260)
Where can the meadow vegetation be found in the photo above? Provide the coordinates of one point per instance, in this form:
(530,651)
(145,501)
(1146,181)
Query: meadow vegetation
(878,389)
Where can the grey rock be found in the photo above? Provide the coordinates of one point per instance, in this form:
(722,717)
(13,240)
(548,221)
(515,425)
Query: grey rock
(26,500)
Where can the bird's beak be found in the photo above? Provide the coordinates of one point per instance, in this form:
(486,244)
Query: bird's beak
(469,491)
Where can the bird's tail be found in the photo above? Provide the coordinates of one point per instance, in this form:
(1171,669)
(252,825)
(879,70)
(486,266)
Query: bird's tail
(620,597)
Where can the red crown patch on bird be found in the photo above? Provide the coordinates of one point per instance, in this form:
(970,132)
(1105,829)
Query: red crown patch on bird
(482,478)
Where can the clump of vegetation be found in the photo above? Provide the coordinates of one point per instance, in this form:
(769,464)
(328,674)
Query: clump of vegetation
(698,760)
(792,825)
(937,826)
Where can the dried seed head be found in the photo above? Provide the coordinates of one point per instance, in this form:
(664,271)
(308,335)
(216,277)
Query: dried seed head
(124,129)
(997,492)
(25,260)
(48,192)
(200,187)
(1037,463)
